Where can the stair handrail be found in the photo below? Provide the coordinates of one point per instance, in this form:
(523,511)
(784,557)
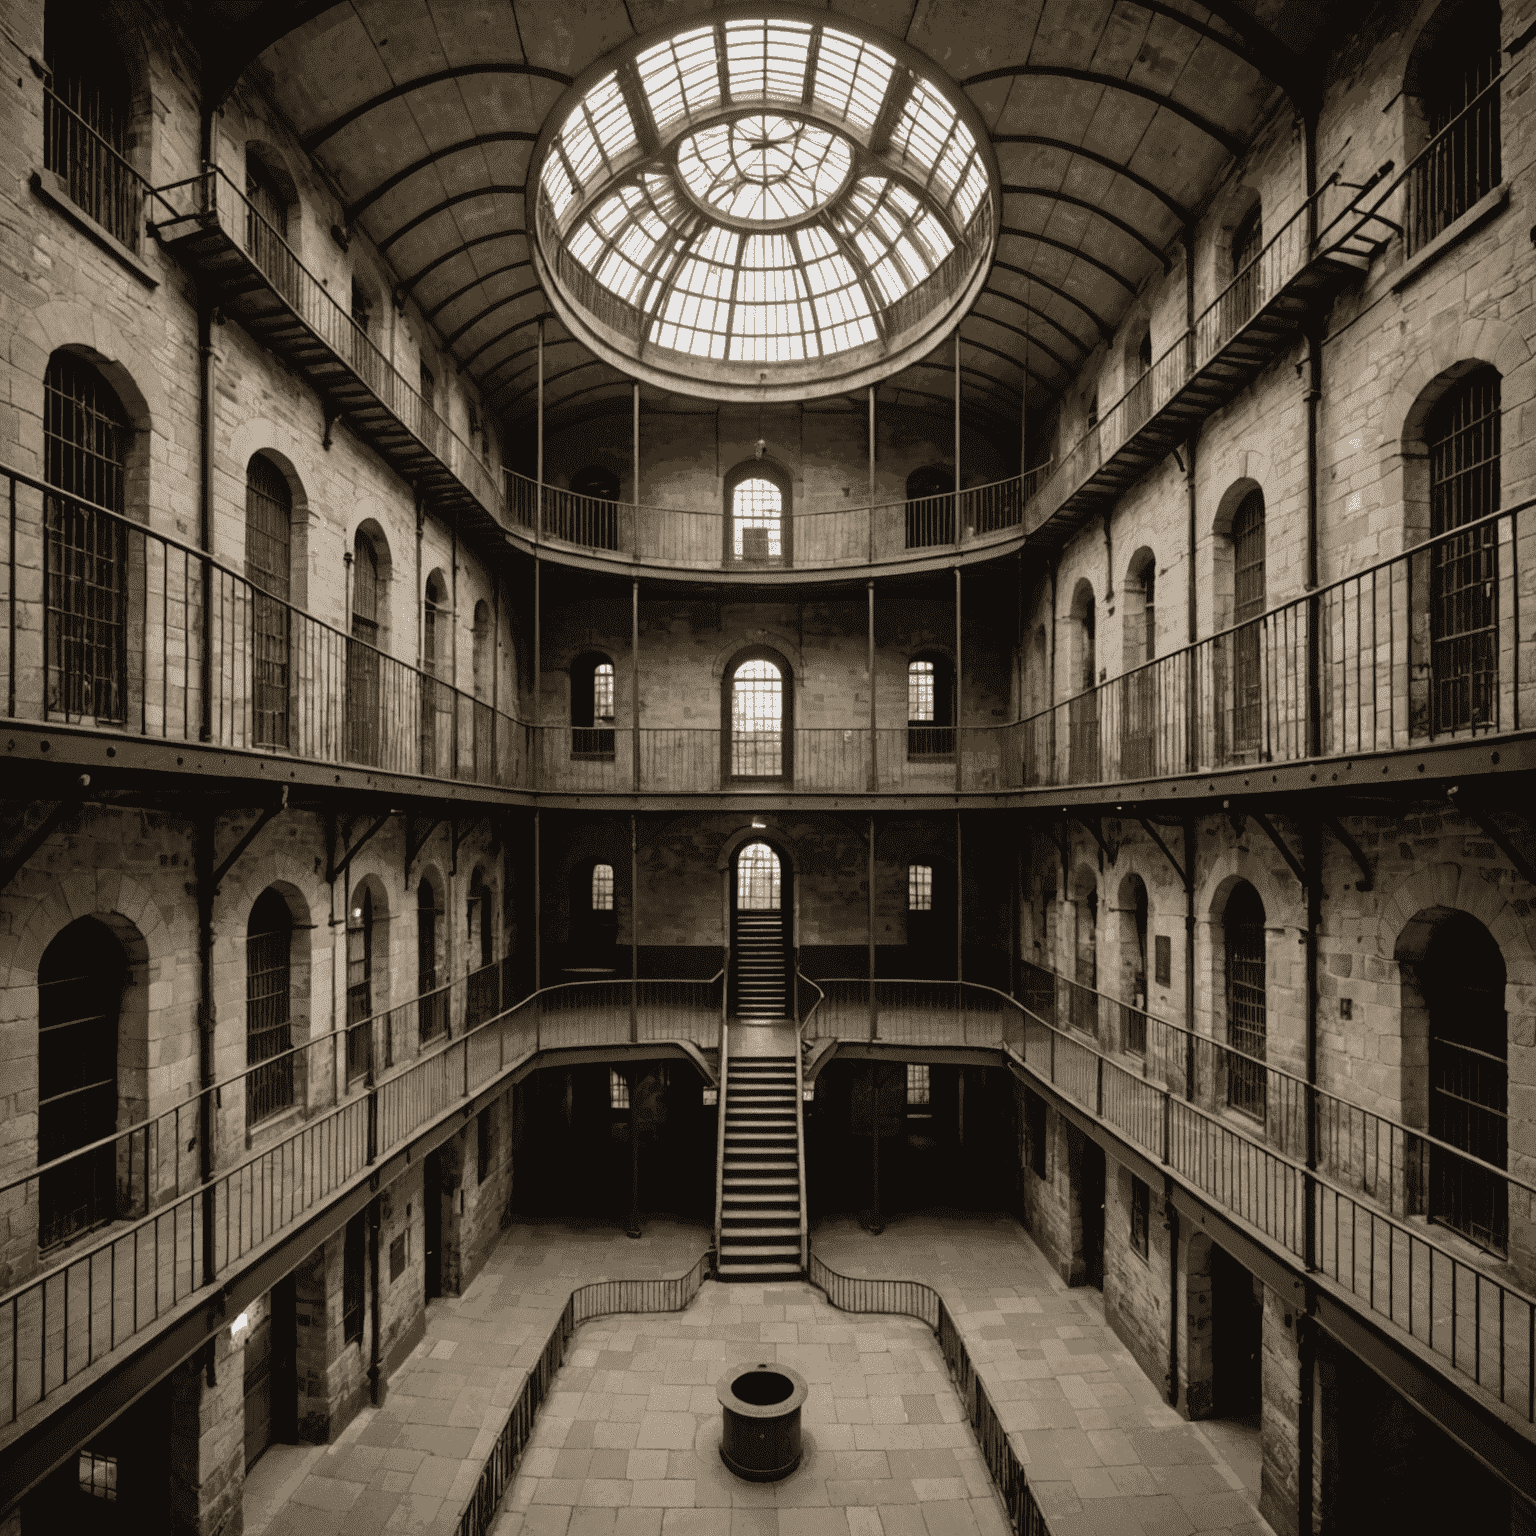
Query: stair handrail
(805,1227)
(725,1054)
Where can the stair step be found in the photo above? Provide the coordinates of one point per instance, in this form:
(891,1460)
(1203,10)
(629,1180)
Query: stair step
(760,1249)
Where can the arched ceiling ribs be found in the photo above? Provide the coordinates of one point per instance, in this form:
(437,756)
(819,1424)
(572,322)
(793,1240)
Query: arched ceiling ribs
(1178,210)
(474,282)
(354,211)
(948,401)
(1069,250)
(981,346)
(559,405)
(1228,141)
(554,378)
(985,382)
(1056,325)
(1093,208)
(490,309)
(495,190)
(1269,55)
(458,250)
(512,330)
(1238,49)
(1028,339)
(1100,324)
(316,137)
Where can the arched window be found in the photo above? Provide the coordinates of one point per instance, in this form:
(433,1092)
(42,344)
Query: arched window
(436,695)
(432,1010)
(592,706)
(758,879)
(482,665)
(594,920)
(480,656)
(1463,436)
(1083,705)
(268,1008)
(85,448)
(1462,977)
(268,525)
(362,307)
(1247,999)
(930,706)
(359,983)
(1247,239)
(481,931)
(268,195)
(1138,395)
(79,991)
(363,701)
(85,122)
(930,507)
(1133,963)
(758,728)
(919,888)
(1453,64)
(1241,299)
(757,516)
(1139,712)
(602,888)
(1249,601)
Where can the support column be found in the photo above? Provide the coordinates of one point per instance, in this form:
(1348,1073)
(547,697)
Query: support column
(869,877)
(534,711)
(632,1223)
(634,443)
(207,1018)
(207,1439)
(876,1223)
(1189,957)
(959,682)
(1192,622)
(634,932)
(634,673)
(959,904)
(538,911)
(538,515)
(874,748)
(870,494)
(959,526)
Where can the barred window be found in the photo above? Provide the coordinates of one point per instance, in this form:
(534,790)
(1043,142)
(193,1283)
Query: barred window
(917,1084)
(920,692)
(757,519)
(602,887)
(602,692)
(757,721)
(97,1476)
(757,879)
(919,887)
(268,523)
(1141,1210)
(618,1089)
(1247,1000)
(85,451)
(268,1005)
(1247,239)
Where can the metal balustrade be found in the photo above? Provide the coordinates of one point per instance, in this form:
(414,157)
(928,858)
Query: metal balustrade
(177,1235)
(603,1298)
(912,1298)
(1362,1216)
(98,177)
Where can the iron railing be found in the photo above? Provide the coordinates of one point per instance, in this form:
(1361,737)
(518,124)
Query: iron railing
(1358,1217)
(100,180)
(604,1298)
(178,1235)
(912,1298)
(212,200)
(197,665)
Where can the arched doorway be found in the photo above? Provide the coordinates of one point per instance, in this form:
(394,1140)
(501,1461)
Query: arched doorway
(760,933)
(79,991)
(1462,978)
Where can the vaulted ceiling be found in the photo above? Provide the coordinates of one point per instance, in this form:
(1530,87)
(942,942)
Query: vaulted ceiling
(1111,121)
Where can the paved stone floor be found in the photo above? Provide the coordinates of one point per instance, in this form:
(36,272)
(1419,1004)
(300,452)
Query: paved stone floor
(627,1443)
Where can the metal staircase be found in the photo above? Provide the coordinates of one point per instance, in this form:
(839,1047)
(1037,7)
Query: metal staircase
(761,973)
(759,1220)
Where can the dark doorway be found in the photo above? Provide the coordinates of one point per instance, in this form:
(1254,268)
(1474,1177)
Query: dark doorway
(760,933)
(1091,1197)
(271,1377)
(931,925)
(432,1202)
(1237,1334)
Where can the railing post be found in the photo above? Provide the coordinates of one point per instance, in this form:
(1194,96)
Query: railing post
(1098,1087)
(1167,1121)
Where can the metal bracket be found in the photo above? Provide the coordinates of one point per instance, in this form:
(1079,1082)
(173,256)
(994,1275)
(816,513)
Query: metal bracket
(414,845)
(461,830)
(1147,827)
(222,869)
(41,833)
(335,872)
(1284,848)
(1366,882)
(1495,833)
(1094,824)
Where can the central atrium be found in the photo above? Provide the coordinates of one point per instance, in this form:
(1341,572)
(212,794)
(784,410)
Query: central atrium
(766,769)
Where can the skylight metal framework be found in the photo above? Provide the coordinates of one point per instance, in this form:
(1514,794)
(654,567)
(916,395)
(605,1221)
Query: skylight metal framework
(763,188)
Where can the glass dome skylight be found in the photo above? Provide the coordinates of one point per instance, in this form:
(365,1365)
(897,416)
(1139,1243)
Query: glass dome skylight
(763,205)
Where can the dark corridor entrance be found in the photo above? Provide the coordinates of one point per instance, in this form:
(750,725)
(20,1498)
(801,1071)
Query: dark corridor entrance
(1237,1333)
(1091,1197)
(271,1382)
(432,1203)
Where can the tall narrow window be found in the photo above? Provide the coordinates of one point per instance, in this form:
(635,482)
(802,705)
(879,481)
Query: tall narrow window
(618,1089)
(930,707)
(268,1008)
(757,721)
(352,1276)
(592,707)
(919,887)
(483,1146)
(363,699)
(602,887)
(757,521)
(1149,611)
(1463,436)
(1141,1211)
(268,522)
(85,123)
(757,879)
(481,934)
(359,984)
(85,441)
(1249,600)
(483,664)
(79,991)
(1247,1000)
(436,696)
(361,314)
(1140,716)
(1457,61)
(918,1087)
(1083,707)
(432,1009)
(1247,291)
(266,226)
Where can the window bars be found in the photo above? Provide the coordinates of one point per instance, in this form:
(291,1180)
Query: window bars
(1247,1001)
(268,1027)
(919,887)
(602,887)
(1462,118)
(268,520)
(757,521)
(757,879)
(1249,598)
(757,721)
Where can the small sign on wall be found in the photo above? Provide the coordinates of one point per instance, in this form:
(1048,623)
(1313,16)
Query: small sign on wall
(1164,960)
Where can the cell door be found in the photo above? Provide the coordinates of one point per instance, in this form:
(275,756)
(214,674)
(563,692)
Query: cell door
(271,1377)
(432,1211)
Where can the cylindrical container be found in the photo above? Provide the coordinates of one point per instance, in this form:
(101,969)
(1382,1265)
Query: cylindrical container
(760,1420)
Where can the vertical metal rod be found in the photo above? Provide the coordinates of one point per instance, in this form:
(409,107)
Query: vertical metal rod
(869,879)
(959,530)
(634,673)
(959,683)
(1192,618)
(538,669)
(1312,859)
(874,755)
(10,708)
(376,1386)
(205,434)
(634,443)
(538,912)
(207,1021)
(538,516)
(495,665)
(634,936)
(870,517)
(632,1226)
(959,904)
(1189,957)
